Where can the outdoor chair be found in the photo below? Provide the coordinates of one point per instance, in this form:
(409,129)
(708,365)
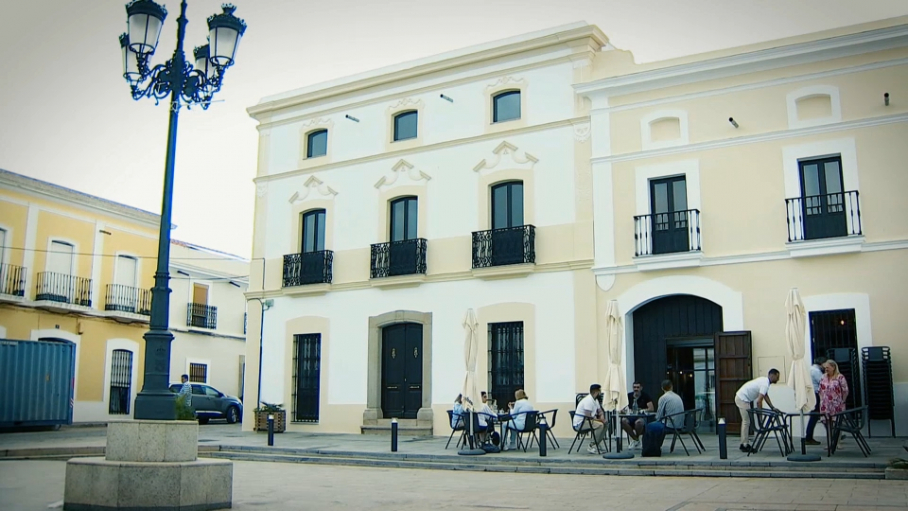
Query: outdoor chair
(458,426)
(585,430)
(530,424)
(691,426)
(477,428)
(678,424)
(551,425)
(767,422)
(851,422)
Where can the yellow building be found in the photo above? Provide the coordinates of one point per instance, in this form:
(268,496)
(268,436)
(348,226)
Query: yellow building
(80,268)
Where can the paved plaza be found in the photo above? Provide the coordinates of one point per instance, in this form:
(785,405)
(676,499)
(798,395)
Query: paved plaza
(33,485)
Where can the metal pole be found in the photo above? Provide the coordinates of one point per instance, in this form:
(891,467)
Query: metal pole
(155,401)
(543,431)
(723,447)
(270,430)
(393,435)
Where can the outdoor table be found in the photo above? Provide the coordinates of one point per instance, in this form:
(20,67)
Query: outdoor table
(632,418)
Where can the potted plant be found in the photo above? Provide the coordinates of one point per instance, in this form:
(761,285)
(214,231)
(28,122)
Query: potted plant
(275,410)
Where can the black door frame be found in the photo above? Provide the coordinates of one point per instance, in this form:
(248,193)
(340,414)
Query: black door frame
(819,220)
(675,236)
(408,353)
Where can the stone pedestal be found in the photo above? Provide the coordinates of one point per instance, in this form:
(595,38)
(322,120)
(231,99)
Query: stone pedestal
(149,465)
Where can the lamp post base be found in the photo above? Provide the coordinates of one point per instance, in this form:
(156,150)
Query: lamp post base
(156,406)
(156,402)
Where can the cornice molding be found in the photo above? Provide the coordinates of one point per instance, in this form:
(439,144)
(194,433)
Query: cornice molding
(760,60)
(753,139)
(505,81)
(405,103)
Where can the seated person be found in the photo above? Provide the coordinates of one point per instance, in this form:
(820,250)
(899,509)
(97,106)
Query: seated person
(458,410)
(486,416)
(638,400)
(589,407)
(670,404)
(518,421)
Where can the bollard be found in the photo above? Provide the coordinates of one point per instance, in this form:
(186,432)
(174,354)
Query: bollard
(543,432)
(723,449)
(393,435)
(270,430)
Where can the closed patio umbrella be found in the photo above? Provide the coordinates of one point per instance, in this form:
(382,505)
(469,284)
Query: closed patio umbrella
(614,388)
(799,375)
(470,392)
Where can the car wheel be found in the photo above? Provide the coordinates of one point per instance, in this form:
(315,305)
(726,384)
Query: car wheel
(233,415)
(203,420)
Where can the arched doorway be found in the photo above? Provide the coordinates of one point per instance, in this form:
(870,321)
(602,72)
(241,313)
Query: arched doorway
(674,339)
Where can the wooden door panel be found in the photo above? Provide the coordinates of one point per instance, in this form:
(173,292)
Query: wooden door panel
(734,367)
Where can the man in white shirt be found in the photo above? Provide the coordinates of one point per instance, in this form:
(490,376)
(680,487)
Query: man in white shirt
(590,408)
(753,393)
(816,374)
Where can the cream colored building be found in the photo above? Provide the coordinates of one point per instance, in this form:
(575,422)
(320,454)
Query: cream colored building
(79,268)
(537,178)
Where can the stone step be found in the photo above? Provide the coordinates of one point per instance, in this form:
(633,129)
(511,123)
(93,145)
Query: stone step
(587,467)
(402,429)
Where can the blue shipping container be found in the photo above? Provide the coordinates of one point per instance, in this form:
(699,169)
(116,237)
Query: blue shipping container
(36,382)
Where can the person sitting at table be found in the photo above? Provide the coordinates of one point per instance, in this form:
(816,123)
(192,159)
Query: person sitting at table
(518,420)
(637,400)
(458,411)
(670,404)
(485,414)
(753,393)
(589,408)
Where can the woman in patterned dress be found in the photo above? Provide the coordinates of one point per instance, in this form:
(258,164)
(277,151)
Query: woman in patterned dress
(833,391)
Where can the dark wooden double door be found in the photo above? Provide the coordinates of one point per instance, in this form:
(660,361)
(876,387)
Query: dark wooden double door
(674,330)
(401,371)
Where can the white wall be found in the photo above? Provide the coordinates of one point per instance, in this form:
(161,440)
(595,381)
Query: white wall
(222,355)
(349,312)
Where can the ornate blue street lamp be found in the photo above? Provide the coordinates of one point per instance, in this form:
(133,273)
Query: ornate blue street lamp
(188,85)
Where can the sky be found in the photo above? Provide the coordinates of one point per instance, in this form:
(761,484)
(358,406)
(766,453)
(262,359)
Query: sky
(66,115)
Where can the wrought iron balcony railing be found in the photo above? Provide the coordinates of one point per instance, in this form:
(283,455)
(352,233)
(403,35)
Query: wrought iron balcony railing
(499,247)
(667,233)
(832,215)
(62,288)
(405,257)
(308,268)
(128,299)
(12,280)
(200,315)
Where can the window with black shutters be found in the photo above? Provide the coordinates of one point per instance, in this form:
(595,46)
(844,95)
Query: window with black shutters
(507,205)
(313,235)
(307,355)
(198,373)
(505,361)
(120,382)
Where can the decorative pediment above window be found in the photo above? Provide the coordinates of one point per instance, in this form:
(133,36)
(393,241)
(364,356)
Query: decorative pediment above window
(405,103)
(401,173)
(506,81)
(506,155)
(313,188)
(316,123)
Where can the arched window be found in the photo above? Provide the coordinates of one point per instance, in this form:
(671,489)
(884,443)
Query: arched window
(403,219)
(313,235)
(405,125)
(507,205)
(506,106)
(317,144)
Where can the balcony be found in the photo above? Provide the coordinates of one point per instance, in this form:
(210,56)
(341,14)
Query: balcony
(308,268)
(815,217)
(502,247)
(667,233)
(62,288)
(12,280)
(128,299)
(405,257)
(199,315)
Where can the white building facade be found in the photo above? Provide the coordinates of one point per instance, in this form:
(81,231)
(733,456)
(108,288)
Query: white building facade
(525,179)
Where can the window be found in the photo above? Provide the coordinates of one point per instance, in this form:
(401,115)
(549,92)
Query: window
(505,361)
(120,382)
(403,219)
(313,235)
(60,258)
(506,106)
(317,144)
(507,205)
(210,392)
(405,125)
(198,373)
(823,198)
(668,203)
(2,245)
(126,271)
(306,377)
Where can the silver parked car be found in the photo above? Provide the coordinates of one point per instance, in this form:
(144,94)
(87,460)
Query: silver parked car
(210,403)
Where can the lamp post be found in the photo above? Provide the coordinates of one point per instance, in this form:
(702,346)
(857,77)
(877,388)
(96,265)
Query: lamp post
(186,85)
